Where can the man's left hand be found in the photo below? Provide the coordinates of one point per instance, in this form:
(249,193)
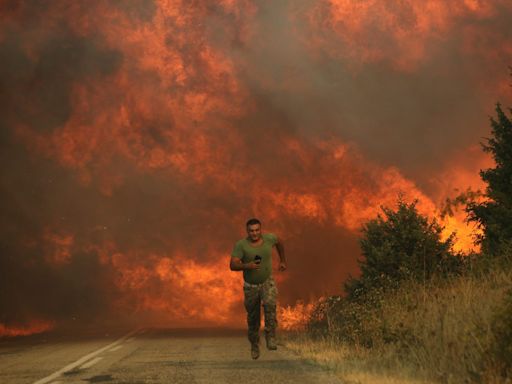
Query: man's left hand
(282,266)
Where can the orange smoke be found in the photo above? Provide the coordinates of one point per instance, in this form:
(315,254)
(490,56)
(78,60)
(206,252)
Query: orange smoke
(110,116)
(168,97)
(179,289)
(60,251)
(400,33)
(349,191)
(188,85)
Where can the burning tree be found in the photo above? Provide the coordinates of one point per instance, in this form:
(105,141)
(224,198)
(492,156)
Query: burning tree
(401,245)
(495,215)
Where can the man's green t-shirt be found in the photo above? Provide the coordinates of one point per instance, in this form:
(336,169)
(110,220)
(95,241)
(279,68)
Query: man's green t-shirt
(244,251)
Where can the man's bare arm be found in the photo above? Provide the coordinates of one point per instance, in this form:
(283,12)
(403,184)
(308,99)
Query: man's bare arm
(282,258)
(236,265)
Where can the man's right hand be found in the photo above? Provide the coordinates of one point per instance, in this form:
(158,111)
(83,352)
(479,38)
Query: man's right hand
(252,266)
(237,265)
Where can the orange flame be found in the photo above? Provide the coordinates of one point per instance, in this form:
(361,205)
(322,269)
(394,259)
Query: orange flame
(177,289)
(35,326)
(174,104)
(398,33)
(295,317)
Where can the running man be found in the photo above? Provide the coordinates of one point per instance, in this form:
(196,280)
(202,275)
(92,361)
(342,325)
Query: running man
(253,256)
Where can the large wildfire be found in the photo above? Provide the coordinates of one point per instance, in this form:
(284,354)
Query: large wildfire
(138,137)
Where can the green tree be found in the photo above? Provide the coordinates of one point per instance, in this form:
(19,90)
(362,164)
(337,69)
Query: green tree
(495,215)
(401,245)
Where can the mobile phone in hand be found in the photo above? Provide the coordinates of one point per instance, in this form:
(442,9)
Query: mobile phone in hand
(257,259)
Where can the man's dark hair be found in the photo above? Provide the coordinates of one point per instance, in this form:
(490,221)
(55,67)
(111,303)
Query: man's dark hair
(252,222)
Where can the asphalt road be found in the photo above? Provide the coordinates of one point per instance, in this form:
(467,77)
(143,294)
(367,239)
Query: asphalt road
(151,356)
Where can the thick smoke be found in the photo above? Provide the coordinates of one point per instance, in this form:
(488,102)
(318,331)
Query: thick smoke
(137,138)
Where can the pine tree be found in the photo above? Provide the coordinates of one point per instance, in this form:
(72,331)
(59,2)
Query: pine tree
(495,215)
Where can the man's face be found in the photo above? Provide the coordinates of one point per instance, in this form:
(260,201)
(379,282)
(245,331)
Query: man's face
(254,231)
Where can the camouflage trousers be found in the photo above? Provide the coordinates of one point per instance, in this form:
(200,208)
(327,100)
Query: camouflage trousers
(254,297)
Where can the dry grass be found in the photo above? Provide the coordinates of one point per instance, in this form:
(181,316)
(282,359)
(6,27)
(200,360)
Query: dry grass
(440,331)
(351,364)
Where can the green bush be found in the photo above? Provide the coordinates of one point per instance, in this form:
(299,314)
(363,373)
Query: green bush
(502,329)
(355,321)
(402,245)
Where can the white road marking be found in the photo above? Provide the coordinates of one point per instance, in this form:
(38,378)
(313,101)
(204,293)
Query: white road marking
(82,360)
(116,348)
(90,363)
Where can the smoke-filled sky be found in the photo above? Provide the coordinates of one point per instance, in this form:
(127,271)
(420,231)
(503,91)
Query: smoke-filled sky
(138,136)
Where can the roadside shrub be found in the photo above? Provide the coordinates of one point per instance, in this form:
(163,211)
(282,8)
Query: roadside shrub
(456,330)
(402,245)
(502,329)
